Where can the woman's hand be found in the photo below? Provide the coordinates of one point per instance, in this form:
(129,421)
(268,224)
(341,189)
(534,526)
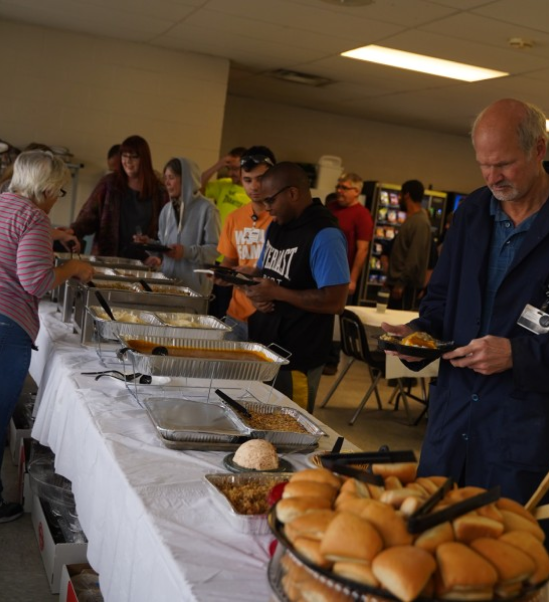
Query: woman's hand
(67,238)
(81,270)
(177,252)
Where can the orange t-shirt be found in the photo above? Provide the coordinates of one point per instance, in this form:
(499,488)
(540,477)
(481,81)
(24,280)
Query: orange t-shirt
(242,239)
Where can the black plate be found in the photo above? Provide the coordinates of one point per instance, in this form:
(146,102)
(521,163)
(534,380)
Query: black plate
(154,247)
(422,352)
(228,462)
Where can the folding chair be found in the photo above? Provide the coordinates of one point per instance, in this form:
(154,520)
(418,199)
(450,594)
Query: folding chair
(354,343)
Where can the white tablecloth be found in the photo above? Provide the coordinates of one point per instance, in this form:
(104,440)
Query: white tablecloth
(153,530)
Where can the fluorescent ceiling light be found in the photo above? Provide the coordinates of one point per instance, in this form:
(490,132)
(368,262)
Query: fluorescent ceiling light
(422,63)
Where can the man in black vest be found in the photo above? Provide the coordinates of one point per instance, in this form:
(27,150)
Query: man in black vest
(305,280)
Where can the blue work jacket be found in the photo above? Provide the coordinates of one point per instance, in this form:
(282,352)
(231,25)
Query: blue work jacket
(488,430)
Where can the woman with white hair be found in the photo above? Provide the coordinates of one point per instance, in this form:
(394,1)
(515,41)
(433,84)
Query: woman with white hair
(26,274)
(189,225)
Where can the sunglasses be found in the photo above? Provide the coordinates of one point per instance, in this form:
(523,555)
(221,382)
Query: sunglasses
(252,160)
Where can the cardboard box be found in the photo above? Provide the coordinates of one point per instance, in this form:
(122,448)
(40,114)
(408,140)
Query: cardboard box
(54,555)
(16,435)
(68,591)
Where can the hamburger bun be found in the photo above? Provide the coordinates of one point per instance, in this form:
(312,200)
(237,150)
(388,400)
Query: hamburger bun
(410,505)
(512,565)
(471,526)
(404,570)
(464,573)
(392,482)
(395,497)
(405,471)
(318,475)
(349,538)
(313,524)
(517,522)
(388,523)
(532,546)
(290,508)
(430,539)
(354,487)
(353,504)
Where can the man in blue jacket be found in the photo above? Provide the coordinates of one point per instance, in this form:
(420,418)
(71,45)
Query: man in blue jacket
(489,410)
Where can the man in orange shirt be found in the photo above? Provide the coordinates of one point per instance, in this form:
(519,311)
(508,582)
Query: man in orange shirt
(243,233)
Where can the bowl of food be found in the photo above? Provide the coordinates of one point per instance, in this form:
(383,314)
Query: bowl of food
(256,455)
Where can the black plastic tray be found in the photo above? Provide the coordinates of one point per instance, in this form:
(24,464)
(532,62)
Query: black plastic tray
(421,352)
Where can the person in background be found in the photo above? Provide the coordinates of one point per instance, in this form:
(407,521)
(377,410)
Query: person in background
(489,411)
(243,235)
(410,251)
(228,194)
(189,225)
(124,203)
(26,274)
(113,158)
(304,280)
(357,225)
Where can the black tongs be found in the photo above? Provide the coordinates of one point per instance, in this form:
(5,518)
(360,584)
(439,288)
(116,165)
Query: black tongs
(233,404)
(339,463)
(421,519)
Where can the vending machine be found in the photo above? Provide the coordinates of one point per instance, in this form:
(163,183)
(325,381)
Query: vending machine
(383,201)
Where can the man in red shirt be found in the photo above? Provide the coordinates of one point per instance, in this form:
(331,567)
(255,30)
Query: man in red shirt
(357,225)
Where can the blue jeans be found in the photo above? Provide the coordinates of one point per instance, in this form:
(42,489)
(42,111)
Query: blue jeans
(15,356)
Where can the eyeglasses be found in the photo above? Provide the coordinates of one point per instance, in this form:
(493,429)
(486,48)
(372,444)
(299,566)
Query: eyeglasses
(345,188)
(270,200)
(132,157)
(61,193)
(247,160)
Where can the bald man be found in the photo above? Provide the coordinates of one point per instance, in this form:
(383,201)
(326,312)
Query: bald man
(305,280)
(489,411)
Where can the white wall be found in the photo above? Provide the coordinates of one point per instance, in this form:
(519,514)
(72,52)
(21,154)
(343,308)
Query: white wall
(87,93)
(376,151)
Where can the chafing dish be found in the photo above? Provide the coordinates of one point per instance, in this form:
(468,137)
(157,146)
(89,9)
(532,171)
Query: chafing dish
(137,323)
(205,367)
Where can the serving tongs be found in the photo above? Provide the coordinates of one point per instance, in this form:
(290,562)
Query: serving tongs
(339,463)
(144,379)
(232,403)
(104,305)
(422,519)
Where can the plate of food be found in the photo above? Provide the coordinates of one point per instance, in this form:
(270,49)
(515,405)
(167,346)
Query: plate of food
(256,455)
(418,344)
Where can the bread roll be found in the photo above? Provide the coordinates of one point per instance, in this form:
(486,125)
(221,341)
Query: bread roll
(430,539)
(313,524)
(357,488)
(349,538)
(404,570)
(390,525)
(356,571)
(309,489)
(532,546)
(352,504)
(464,573)
(410,505)
(471,526)
(290,508)
(512,565)
(395,497)
(405,471)
(310,549)
(392,482)
(506,503)
(319,475)
(517,522)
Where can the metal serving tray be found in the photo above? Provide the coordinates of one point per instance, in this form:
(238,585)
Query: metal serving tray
(157,324)
(181,419)
(190,367)
(311,437)
(252,524)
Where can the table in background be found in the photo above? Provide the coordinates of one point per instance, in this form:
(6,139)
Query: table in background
(153,533)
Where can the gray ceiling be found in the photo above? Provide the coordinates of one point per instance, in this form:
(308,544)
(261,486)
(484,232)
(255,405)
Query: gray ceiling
(259,36)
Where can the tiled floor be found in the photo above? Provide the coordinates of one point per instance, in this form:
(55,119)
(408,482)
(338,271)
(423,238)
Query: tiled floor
(22,576)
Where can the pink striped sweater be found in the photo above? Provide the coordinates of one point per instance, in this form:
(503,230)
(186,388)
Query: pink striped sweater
(26,260)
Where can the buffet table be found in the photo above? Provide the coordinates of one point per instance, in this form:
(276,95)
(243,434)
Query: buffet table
(153,531)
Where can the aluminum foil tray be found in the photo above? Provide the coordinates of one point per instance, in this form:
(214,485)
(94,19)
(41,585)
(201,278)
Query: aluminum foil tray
(156,324)
(111,283)
(190,367)
(139,274)
(311,437)
(169,289)
(103,260)
(180,419)
(134,320)
(252,524)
